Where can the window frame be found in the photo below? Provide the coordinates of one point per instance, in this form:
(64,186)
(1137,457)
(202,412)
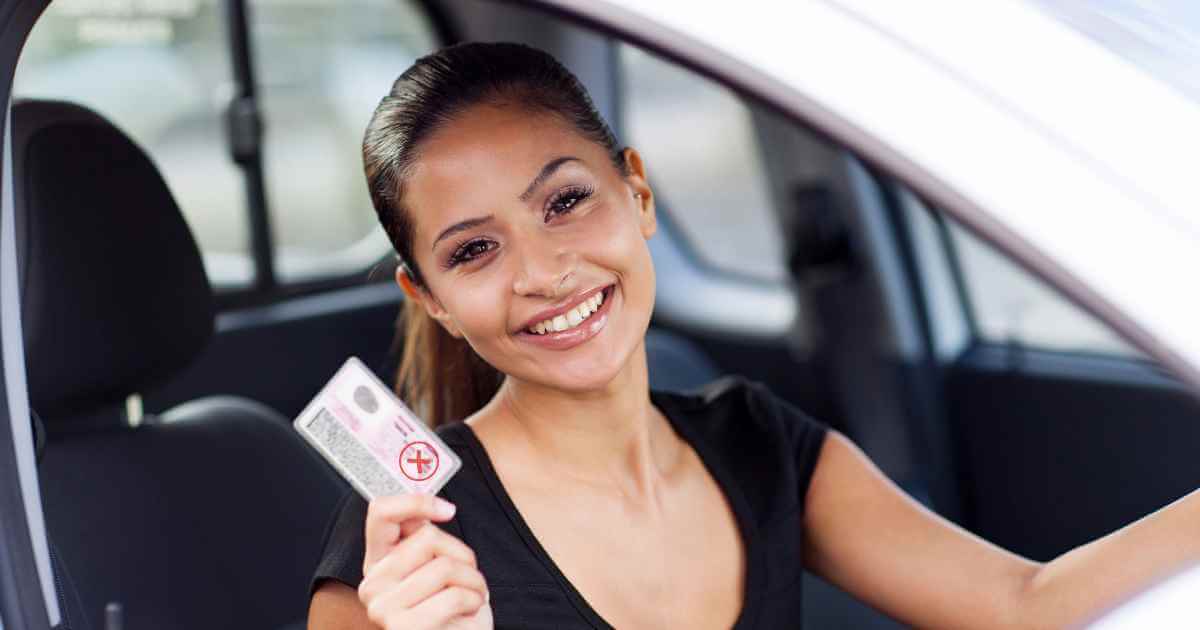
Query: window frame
(684,235)
(1016,346)
(746,296)
(265,287)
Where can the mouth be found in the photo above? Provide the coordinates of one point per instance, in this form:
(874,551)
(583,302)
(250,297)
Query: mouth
(573,324)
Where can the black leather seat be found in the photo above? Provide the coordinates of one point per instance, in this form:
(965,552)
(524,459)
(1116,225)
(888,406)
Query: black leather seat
(207,515)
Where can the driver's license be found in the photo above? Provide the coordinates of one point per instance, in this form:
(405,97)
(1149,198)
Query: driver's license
(372,438)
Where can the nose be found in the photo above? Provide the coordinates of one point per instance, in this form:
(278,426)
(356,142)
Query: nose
(544,270)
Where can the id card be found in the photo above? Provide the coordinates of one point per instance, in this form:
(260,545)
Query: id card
(372,438)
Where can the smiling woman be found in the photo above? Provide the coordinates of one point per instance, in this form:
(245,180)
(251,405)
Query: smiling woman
(586,499)
(522,231)
(440,374)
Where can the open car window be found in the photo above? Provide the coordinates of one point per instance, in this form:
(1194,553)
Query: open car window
(701,149)
(161,71)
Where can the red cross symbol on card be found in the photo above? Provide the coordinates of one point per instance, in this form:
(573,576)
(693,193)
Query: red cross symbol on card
(418,461)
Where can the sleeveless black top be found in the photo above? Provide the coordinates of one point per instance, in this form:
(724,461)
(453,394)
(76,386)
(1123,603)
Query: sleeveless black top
(760,450)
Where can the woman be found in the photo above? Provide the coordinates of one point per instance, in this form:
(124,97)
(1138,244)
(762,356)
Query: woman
(586,499)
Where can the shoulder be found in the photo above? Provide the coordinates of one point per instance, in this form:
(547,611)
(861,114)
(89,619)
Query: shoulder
(766,444)
(746,405)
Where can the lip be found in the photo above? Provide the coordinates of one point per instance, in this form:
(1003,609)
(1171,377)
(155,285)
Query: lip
(573,336)
(562,308)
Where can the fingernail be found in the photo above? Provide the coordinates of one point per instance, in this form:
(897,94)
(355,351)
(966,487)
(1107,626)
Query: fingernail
(443,508)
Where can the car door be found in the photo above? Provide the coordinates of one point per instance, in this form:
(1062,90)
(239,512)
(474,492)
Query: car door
(1060,431)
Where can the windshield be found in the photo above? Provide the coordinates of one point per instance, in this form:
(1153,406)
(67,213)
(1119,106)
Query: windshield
(1162,37)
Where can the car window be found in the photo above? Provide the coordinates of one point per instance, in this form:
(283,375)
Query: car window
(702,156)
(161,71)
(1010,305)
(323,66)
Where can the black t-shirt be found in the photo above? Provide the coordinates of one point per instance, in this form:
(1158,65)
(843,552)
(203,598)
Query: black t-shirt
(760,450)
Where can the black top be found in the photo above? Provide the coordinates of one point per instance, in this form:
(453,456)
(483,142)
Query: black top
(760,450)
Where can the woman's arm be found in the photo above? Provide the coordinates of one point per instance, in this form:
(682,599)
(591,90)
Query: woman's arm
(335,606)
(865,535)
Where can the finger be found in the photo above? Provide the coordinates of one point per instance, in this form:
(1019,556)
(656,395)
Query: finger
(445,605)
(427,543)
(386,612)
(385,515)
(436,575)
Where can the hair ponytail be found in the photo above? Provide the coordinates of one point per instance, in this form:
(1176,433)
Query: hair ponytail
(441,376)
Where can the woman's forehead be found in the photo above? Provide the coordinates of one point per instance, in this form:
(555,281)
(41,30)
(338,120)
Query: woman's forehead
(496,138)
(490,154)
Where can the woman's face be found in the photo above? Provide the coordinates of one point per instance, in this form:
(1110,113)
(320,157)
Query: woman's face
(518,220)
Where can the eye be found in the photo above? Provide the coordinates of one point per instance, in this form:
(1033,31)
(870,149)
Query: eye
(565,200)
(470,251)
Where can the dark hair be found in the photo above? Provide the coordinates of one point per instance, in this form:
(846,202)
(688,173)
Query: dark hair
(440,374)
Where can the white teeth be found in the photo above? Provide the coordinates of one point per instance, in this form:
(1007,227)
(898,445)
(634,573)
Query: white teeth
(571,318)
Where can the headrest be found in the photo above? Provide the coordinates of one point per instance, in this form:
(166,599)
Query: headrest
(113,292)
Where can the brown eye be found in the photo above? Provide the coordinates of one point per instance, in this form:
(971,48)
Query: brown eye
(470,251)
(566,200)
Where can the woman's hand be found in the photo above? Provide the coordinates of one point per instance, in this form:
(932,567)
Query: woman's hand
(416,576)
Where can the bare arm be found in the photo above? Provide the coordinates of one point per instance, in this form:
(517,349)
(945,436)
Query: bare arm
(335,606)
(864,534)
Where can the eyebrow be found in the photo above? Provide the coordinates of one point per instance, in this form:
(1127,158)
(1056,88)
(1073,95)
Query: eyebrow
(542,176)
(545,174)
(460,227)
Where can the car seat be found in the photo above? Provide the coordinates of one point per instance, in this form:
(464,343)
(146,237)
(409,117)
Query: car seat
(207,515)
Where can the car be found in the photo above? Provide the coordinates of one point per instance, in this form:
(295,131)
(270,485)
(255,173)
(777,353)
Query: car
(982,216)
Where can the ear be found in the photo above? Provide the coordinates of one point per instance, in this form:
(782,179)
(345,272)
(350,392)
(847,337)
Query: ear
(643,197)
(422,296)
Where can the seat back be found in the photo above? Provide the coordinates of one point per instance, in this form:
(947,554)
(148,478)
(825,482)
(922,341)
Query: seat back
(208,515)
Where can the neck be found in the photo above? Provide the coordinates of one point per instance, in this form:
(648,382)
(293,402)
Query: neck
(611,438)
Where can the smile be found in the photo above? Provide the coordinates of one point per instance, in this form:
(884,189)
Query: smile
(572,318)
(571,325)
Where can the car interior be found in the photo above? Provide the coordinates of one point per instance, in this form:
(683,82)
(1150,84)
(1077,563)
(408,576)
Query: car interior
(178,307)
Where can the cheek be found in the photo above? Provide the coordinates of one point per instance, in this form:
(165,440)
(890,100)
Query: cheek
(612,237)
(476,307)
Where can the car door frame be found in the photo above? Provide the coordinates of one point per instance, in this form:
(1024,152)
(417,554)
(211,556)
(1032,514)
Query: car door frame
(28,598)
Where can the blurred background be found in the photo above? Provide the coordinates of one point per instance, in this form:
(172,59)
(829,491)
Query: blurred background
(161,70)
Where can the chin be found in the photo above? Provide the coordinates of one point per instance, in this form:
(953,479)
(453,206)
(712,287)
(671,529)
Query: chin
(594,372)
(582,377)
